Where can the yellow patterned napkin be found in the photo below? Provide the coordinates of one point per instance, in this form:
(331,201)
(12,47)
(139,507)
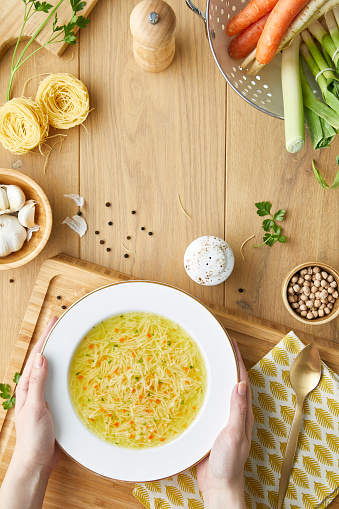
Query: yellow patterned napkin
(314,480)
(315,476)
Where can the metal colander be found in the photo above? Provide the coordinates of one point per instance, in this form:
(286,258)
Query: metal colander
(262,91)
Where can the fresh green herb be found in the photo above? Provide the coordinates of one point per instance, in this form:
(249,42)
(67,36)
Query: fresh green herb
(116,346)
(5,393)
(136,331)
(273,231)
(137,377)
(160,382)
(102,399)
(86,354)
(182,402)
(109,362)
(191,367)
(141,360)
(169,343)
(63,33)
(321,179)
(78,373)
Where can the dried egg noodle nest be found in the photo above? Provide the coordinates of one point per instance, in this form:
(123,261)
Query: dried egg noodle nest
(64,99)
(23,125)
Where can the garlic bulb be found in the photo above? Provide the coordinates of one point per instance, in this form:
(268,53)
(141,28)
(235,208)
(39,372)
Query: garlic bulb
(4,203)
(12,235)
(16,197)
(26,214)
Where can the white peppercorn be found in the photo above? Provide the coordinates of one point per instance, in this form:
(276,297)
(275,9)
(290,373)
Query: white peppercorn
(303,307)
(309,270)
(321,313)
(324,301)
(323,283)
(294,279)
(309,315)
(295,305)
(324,294)
(314,289)
(324,275)
(317,283)
(318,295)
(315,314)
(307,283)
(330,305)
(303,313)
(290,290)
(333,284)
(309,303)
(330,298)
(303,272)
(318,276)
(306,290)
(303,297)
(330,278)
(327,311)
(301,281)
(322,307)
(298,310)
(317,303)
(296,288)
(330,289)
(308,277)
(336,295)
(291,298)
(311,296)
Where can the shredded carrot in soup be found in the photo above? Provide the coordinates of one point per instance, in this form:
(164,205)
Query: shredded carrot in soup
(137,380)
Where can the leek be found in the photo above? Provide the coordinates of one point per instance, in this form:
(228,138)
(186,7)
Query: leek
(332,27)
(324,38)
(327,80)
(311,102)
(320,132)
(321,179)
(292,97)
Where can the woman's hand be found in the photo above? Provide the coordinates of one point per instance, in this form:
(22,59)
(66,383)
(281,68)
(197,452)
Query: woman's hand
(220,475)
(36,453)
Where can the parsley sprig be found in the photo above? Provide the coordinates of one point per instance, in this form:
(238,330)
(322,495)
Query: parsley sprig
(273,231)
(5,393)
(59,33)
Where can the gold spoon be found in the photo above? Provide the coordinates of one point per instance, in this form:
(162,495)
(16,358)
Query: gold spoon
(305,375)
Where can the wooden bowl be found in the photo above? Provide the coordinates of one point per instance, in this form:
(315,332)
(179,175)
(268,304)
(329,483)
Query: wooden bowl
(43,217)
(316,321)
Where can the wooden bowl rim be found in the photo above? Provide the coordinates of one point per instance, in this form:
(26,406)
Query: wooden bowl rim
(316,321)
(49,219)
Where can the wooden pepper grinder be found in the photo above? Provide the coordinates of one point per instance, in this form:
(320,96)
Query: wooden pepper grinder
(152,24)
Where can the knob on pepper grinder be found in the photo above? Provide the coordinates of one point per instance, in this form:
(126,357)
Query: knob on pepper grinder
(152,24)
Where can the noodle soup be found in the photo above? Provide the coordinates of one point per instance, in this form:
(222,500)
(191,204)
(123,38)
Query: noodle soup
(137,380)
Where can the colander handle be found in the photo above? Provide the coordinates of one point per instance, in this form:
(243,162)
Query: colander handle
(196,10)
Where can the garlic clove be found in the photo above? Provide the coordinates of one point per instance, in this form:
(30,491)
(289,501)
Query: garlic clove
(26,214)
(12,235)
(16,197)
(4,203)
(30,231)
(77,223)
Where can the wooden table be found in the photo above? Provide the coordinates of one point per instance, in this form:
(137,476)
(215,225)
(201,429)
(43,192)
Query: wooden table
(154,136)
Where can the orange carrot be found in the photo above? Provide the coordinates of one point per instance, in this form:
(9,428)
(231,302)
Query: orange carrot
(253,11)
(278,22)
(245,42)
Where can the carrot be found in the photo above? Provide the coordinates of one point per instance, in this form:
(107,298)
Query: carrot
(278,22)
(244,42)
(253,11)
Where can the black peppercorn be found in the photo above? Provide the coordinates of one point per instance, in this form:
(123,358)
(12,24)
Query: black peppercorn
(96,232)
(11,280)
(79,213)
(240,290)
(133,212)
(58,297)
(143,228)
(126,255)
(63,307)
(102,242)
(110,223)
(108,249)
(128,237)
(108,204)
(150,233)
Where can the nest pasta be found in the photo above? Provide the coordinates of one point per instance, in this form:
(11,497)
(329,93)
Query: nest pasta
(137,380)
(64,99)
(23,125)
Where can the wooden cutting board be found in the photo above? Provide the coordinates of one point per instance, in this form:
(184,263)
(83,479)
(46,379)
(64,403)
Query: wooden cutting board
(71,486)
(11,19)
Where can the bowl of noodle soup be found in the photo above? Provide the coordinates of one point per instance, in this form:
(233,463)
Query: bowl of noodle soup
(140,379)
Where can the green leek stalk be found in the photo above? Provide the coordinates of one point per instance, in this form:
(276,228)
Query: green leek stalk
(324,38)
(317,55)
(312,103)
(327,81)
(332,27)
(336,14)
(320,132)
(292,97)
